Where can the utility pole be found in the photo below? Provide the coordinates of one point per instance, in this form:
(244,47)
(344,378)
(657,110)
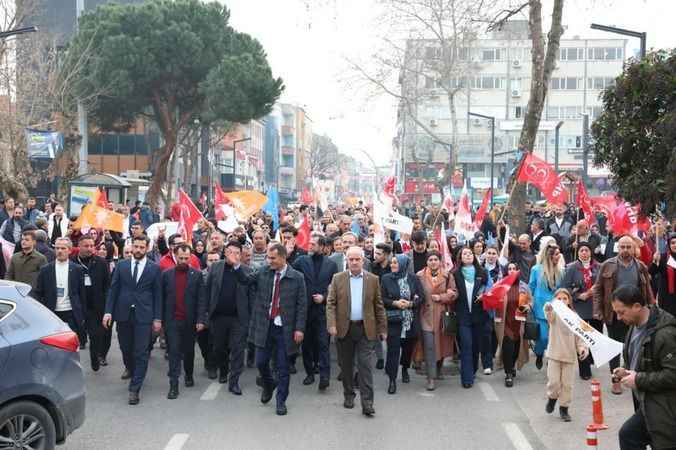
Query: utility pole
(585,147)
(491,119)
(556,146)
(642,35)
(82,113)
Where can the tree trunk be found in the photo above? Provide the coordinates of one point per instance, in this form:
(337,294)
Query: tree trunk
(543,65)
(160,169)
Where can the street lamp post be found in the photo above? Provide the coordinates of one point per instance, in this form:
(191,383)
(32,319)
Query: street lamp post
(556,146)
(642,35)
(492,121)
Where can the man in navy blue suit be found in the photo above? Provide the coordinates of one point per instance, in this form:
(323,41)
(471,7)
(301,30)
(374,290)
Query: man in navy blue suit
(135,303)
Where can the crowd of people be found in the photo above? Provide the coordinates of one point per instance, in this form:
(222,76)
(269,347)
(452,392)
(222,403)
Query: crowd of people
(252,297)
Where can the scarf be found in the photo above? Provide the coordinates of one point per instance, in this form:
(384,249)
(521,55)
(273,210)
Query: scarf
(437,281)
(468,273)
(586,270)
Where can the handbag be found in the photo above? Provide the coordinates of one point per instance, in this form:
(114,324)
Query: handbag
(394,316)
(531,329)
(449,322)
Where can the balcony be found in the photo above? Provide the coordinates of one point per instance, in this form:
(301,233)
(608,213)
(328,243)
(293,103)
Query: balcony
(288,130)
(286,150)
(286,170)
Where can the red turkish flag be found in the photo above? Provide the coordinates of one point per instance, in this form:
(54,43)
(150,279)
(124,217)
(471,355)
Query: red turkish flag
(306,197)
(481,213)
(492,299)
(303,237)
(220,200)
(543,176)
(584,202)
(189,215)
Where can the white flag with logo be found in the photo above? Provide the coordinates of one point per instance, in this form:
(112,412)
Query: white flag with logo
(602,348)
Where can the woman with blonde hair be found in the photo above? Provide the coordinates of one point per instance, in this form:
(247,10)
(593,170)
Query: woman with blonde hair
(545,278)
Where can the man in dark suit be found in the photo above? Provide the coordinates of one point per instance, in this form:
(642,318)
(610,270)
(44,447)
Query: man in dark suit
(318,271)
(226,312)
(59,287)
(135,303)
(182,298)
(277,322)
(356,316)
(96,276)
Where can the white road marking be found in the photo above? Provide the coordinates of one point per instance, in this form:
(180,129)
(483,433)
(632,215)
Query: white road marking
(212,391)
(488,391)
(177,441)
(425,394)
(515,435)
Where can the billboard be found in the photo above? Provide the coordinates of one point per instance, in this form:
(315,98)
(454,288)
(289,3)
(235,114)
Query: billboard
(43,144)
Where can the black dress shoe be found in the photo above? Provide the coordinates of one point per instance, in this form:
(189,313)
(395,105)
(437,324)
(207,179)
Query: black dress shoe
(96,365)
(292,369)
(223,377)
(189,381)
(509,381)
(538,362)
(250,363)
(310,379)
(268,390)
(549,408)
(348,403)
(392,389)
(563,412)
(316,370)
(380,364)
(234,387)
(467,385)
(405,378)
(323,384)
(281,409)
(368,411)
(103,362)
(173,392)
(126,375)
(133,398)
(212,374)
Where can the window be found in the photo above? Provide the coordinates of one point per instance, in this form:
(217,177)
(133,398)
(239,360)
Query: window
(571,54)
(517,112)
(487,82)
(287,160)
(553,112)
(491,54)
(566,83)
(600,83)
(515,84)
(594,112)
(432,53)
(605,53)
(5,309)
(462,53)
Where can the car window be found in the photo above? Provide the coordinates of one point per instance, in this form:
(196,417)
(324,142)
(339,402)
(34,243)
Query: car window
(5,309)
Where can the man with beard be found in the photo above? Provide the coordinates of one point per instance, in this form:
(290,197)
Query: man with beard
(318,271)
(96,284)
(182,295)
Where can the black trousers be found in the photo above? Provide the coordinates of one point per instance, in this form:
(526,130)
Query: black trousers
(616,330)
(316,344)
(585,365)
(510,353)
(180,337)
(69,319)
(407,348)
(98,335)
(204,343)
(393,349)
(633,434)
(228,345)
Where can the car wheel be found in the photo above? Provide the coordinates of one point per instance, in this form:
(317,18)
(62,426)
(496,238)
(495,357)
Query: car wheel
(26,425)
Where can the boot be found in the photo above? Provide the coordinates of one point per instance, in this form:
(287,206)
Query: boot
(509,381)
(173,391)
(440,366)
(392,389)
(430,384)
(405,378)
(538,362)
(563,412)
(550,405)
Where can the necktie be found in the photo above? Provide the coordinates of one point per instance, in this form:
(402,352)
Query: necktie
(274,310)
(135,274)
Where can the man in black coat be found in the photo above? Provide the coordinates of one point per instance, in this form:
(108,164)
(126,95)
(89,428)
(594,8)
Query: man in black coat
(182,298)
(96,281)
(59,287)
(318,271)
(226,312)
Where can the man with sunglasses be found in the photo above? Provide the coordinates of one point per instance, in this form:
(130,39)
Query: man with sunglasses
(622,270)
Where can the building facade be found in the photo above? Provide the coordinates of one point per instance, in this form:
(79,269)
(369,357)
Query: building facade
(497,84)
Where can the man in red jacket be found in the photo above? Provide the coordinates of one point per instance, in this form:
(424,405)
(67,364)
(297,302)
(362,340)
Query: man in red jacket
(169,260)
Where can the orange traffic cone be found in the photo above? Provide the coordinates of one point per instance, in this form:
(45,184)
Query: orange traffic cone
(597,406)
(592,441)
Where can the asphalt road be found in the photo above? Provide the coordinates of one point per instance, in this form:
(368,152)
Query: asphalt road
(207,416)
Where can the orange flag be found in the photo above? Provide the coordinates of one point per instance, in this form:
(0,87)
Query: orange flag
(246,203)
(100,198)
(93,216)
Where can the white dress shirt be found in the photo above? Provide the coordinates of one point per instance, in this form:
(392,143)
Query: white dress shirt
(141,267)
(356,296)
(62,299)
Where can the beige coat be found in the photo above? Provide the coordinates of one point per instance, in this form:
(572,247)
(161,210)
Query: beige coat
(563,346)
(431,312)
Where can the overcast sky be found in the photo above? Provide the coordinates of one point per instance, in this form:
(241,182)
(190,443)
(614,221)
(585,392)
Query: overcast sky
(309,41)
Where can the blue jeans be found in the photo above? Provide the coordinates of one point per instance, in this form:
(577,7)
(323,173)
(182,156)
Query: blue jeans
(541,344)
(276,344)
(470,343)
(634,434)
(487,352)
